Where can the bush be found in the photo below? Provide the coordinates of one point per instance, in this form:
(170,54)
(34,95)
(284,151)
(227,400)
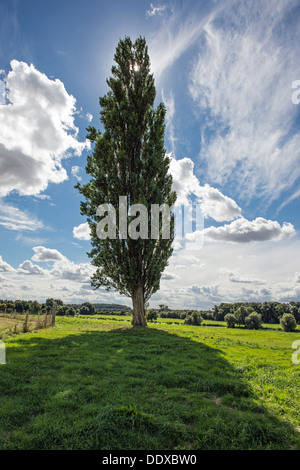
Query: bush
(152,315)
(230,320)
(288,322)
(193,319)
(253,321)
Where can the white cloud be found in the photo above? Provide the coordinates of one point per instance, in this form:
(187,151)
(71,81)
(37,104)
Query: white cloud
(89,116)
(297,278)
(155,10)
(13,218)
(5,267)
(205,291)
(82,232)
(172,39)
(75,172)
(71,271)
(169,103)
(214,204)
(43,254)
(2,91)
(236,276)
(167,276)
(37,131)
(241,83)
(27,267)
(245,231)
(63,268)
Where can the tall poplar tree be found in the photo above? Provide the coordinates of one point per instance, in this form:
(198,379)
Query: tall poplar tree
(129,160)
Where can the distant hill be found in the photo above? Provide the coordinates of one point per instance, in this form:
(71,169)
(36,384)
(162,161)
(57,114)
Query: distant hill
(111,307)
(103,307)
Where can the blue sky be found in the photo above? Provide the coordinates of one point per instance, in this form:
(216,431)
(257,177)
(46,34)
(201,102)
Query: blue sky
(225,71)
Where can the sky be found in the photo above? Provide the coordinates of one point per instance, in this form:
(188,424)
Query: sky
(229,74)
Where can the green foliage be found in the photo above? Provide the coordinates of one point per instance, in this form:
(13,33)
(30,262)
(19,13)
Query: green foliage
(230,319)
(35,307)
(193,319)
(129,160)
(152,315)
(253,321)
(241,313)
(288,322)
(65,310)
(271,312)
(52,302)
(84,310)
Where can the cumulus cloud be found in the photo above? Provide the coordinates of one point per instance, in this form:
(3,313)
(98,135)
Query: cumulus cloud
(37,131)
(43,254)
(82,232)
(68,270)
(5,267)
(27,267)
(167,276)
(206,291)
(245,231)
(214,204)
(297,278)
(62,268)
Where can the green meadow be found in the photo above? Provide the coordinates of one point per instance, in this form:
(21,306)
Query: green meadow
(99,383)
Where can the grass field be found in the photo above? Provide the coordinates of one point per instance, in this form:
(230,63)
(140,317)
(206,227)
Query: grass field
(100,384)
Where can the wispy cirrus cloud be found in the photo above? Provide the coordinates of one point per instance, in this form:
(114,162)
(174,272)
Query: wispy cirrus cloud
(75,172)
(241,83)
(155,10)
(13,218)
(169,103)
(176,33)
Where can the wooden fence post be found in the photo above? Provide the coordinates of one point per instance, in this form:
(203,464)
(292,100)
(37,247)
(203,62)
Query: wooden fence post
(53,312)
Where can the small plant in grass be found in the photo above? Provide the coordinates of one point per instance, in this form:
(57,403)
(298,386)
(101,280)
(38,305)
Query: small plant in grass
(230,319)
(253,321)
(39,323)
(288,322)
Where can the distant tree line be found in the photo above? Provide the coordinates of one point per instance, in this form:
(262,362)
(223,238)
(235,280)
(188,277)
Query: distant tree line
(86,308)
(271,312)
(248,314)
(165,312)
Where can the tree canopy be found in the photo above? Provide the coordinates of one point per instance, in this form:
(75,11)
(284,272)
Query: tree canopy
(129,161)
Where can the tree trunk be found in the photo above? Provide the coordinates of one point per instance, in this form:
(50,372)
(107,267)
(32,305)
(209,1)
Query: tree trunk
(138,314)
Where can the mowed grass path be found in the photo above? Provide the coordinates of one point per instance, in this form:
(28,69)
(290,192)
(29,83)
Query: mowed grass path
(101,384)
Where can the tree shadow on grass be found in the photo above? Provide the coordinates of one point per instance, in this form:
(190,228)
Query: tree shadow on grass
(129,388)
